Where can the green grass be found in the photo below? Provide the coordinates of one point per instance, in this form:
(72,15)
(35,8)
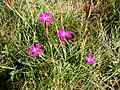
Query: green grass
(60,66)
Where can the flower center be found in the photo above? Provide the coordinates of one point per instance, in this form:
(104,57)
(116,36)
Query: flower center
(63,34)
(35,49)
(45,18)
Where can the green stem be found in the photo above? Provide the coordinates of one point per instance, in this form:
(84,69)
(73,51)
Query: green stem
(46,28)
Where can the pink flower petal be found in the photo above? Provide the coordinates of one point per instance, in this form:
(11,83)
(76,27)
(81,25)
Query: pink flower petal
(61,34)
(42,20)
(40,50)
(89,55)
(62,30)
(30,51)
(35,53)
(68,34)
(47,20)
(41,15)
(47,14)
(58,33)
(91,60)
(87,58)
(62,38)
(38,45)
(52,18)
(32,46)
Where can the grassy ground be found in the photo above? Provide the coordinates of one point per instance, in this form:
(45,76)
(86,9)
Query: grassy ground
(60,66)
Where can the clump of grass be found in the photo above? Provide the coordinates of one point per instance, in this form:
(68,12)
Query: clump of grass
(60,66)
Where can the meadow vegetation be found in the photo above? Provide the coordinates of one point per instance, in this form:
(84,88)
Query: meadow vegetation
(62,65)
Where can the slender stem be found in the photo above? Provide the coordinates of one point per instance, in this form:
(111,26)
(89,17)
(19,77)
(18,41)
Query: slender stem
(64,49)
(6,67)
(46,28)
(85,38)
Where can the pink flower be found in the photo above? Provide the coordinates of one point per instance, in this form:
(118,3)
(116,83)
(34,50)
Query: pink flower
(62,34)
(35,50)
(76,6)
(45,17)
(90,59)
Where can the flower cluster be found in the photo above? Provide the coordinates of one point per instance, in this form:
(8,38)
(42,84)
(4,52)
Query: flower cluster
(45,17)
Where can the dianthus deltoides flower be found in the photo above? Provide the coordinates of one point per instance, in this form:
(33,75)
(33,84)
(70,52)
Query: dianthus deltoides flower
(62,34)
(45,17)
(90,59)
(35,49)
(76,6)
